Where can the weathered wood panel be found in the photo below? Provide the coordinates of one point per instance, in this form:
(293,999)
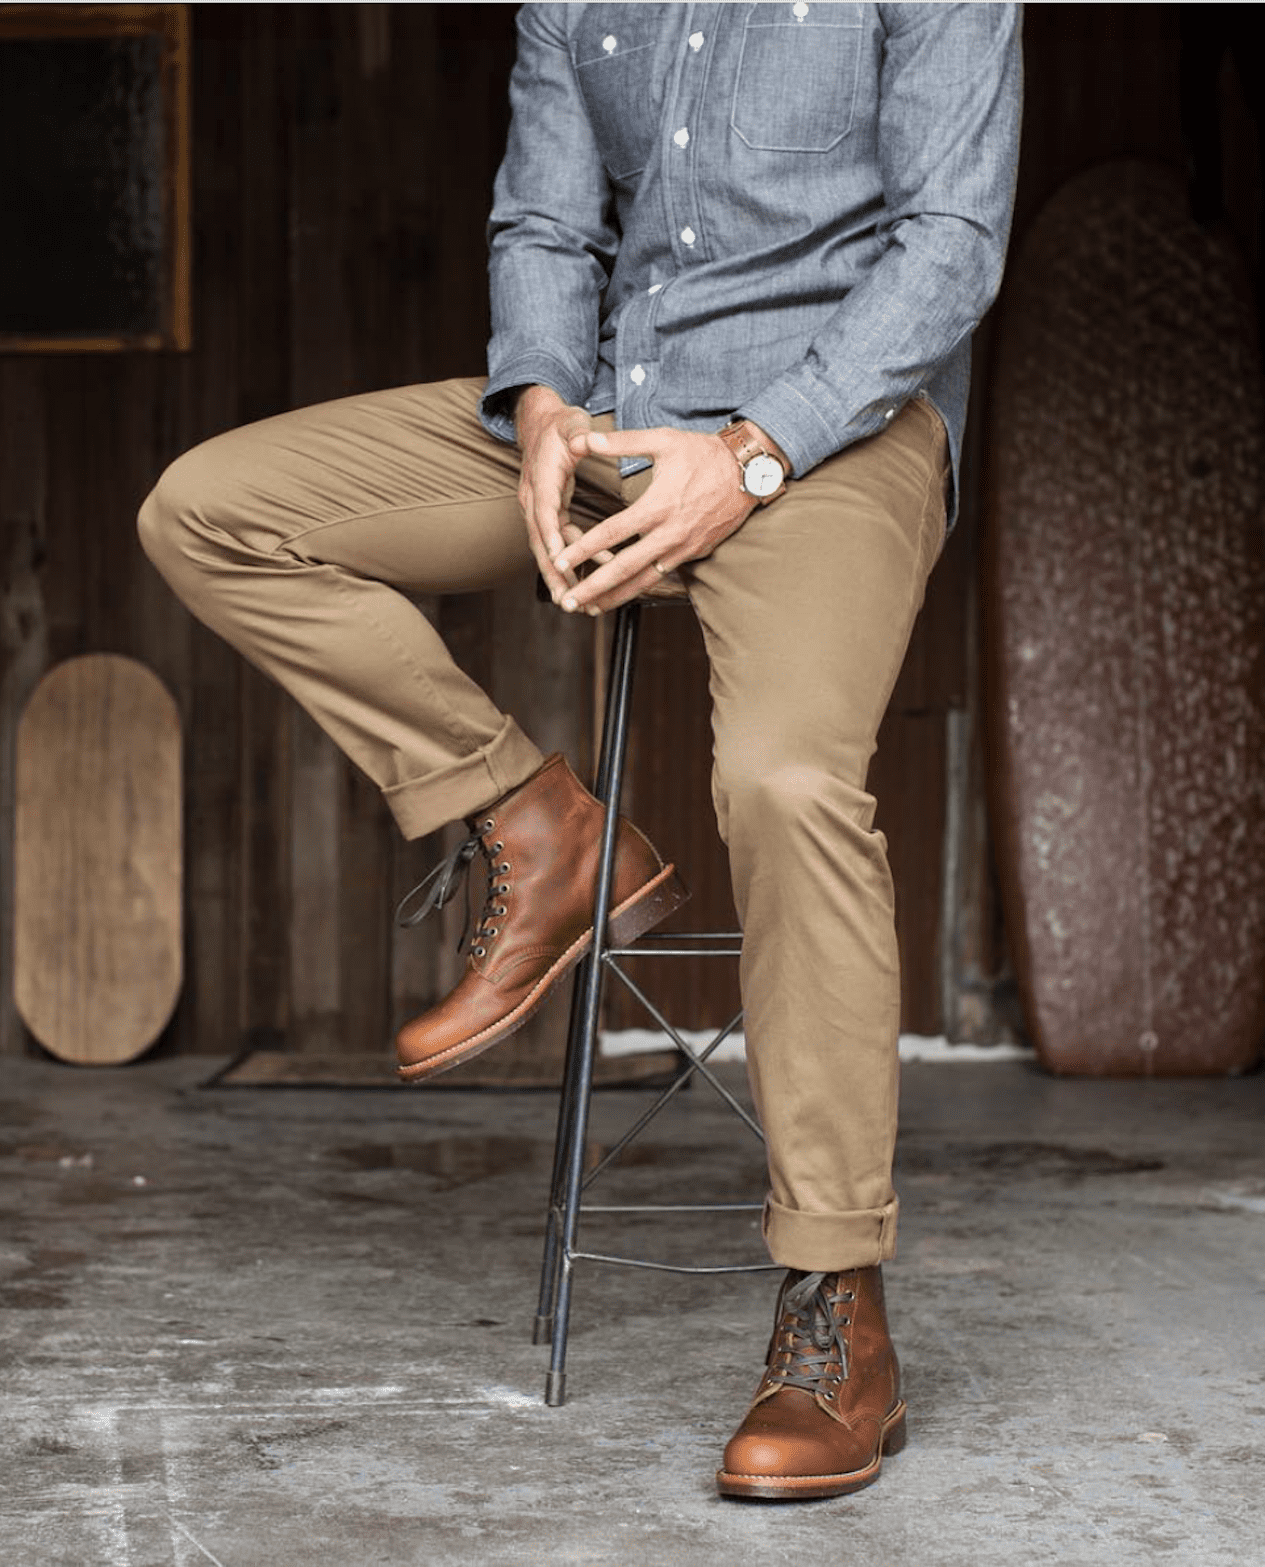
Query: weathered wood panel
(338,246)
(97,869)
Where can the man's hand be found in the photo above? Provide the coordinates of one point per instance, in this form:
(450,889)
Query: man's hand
(546,428)
(694,500)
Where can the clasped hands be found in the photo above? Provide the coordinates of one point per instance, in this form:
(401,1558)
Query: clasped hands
(694,500)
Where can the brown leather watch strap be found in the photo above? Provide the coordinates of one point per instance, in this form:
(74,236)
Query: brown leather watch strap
(740,441)
(745,446)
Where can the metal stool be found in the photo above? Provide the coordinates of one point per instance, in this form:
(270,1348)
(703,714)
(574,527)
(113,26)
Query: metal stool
(566,1200)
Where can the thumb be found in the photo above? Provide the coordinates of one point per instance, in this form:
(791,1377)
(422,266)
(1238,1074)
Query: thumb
(574,425)
(621,443)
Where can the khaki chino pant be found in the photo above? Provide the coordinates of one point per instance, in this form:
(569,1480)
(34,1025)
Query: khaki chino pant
(291,538)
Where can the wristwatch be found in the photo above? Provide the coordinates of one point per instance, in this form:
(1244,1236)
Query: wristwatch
(763,476)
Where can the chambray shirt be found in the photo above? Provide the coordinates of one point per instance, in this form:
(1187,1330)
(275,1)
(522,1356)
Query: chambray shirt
(795,213)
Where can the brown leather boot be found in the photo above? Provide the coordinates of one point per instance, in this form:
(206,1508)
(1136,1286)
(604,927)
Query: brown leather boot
(828,1406)
(541,842)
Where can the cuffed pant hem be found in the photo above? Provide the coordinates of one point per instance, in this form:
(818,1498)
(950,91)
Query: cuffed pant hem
(829,1242)
(422,805)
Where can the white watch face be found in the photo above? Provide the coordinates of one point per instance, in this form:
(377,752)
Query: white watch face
(762,476)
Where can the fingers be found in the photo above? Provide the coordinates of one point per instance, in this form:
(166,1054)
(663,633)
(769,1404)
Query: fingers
(693,501)
(619,576)
(551,484)
(555,580)
(548,481)
(604,537)
(554,477)
(644,580)
(572,534)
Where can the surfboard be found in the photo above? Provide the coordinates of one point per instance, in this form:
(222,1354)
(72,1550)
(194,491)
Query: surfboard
(97,860)
(1124,645)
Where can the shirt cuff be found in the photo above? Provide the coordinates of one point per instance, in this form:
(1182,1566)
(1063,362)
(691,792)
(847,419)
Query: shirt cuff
(805,429)
(496,407)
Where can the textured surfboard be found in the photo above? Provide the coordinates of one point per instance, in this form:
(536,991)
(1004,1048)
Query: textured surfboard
(1125,633)
(97,862)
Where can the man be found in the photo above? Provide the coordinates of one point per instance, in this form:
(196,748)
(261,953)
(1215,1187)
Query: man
(737,255)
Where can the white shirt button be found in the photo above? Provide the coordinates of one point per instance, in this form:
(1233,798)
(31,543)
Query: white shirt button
(636,375)
(688,235)
(681,137)
(696,41)
(654,288)
(610,41)
(799,10)
(890,414)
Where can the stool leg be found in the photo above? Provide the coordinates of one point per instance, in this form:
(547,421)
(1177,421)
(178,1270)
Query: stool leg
(542,1327)
(575,1131)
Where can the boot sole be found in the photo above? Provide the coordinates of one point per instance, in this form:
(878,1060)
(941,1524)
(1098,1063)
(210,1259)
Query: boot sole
(803,1488)
(648,906)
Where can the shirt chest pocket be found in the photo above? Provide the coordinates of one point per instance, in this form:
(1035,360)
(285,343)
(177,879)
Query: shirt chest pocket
(616,74)
(797,78)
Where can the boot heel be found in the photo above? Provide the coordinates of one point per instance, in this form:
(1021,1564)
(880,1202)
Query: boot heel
(895,1435)
(648,908)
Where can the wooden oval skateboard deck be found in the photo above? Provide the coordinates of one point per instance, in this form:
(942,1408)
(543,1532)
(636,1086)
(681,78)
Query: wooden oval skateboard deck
(97,864)
(1125,633)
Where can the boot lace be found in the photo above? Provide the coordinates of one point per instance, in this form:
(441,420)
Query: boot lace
(440,886)
(809,1348)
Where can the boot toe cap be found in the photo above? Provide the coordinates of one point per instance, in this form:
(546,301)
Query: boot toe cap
(790,1437)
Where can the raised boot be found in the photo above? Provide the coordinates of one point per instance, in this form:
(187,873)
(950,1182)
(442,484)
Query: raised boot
(828,1406)
(541,843)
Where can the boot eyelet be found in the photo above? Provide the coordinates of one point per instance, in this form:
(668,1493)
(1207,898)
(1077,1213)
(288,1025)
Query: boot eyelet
(504,869)
(497,847)
(492,931)
(478,952)
(488,825)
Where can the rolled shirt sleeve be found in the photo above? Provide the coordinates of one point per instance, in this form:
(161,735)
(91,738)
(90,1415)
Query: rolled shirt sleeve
(551,242)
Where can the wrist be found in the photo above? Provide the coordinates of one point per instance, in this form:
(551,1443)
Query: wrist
(533,404)
(762,466)
(765,442)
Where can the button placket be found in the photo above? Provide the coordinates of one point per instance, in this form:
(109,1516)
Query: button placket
(678,172)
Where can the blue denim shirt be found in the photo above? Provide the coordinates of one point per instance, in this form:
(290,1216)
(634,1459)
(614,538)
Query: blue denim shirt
(795,213)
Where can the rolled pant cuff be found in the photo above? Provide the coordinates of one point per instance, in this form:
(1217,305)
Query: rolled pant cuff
(829,1242)
(423,805)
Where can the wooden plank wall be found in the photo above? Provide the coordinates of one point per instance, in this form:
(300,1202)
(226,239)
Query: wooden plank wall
(343,158)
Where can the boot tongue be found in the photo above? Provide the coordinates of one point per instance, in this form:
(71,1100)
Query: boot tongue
(809,1337)
(799,1294)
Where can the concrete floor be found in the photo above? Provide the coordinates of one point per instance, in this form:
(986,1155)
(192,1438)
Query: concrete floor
(290,1327)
